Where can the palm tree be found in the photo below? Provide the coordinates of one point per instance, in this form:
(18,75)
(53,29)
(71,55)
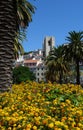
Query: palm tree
(74,50)
(8,29)
(50,73)
(24,17)
(24,12)
(56,65)
(18,48)
(7,34)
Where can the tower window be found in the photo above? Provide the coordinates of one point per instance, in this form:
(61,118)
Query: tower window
(49,43)
(37,73)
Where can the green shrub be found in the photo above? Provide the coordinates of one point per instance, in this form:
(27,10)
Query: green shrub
(22,74)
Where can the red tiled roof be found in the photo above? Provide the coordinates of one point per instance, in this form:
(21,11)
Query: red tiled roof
(30,61)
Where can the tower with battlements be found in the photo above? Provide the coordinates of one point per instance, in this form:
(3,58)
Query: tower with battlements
(48,44)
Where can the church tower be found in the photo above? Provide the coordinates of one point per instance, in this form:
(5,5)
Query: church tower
(48,44)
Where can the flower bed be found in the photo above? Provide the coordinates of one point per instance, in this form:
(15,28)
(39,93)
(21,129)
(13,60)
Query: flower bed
(35,106)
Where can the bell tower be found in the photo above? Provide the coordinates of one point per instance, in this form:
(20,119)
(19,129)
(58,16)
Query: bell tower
(48,45)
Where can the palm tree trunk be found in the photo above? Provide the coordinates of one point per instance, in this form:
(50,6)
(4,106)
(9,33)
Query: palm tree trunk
(7,35)
(60,77)
(78,72)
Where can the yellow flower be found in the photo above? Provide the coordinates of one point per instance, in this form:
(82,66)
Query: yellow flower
(28,129)
(70,119)
(28,126)
(34,127)
(51,125)
(79,112)
(77,128)
(13,119)
(9,128)
(73,124)
(45,121)
(14,128)
(19,126)
(68,101)
(57,122)
(14,125)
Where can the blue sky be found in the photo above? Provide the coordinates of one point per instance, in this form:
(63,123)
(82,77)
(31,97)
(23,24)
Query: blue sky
(53,18)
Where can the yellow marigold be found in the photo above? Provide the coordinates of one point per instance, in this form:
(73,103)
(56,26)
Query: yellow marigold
(36,114)
(13,119)
(28,129)
(34,127)
(14,125)
(21,112)
(63,119)
(45,121)
(37,122)
(70,119)
(51,125)
(29,97)
(14,128)
(57,122)
(19,126)
(77,128)
(55,102)
(55,128)
(9,128)
(79,112)
(73,124)
(68,101)
(66,127)
(28,126)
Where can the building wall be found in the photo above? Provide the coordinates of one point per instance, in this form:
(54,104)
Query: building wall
(40,73)
(34,59)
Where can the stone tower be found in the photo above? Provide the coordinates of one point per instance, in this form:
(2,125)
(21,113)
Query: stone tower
(48,44)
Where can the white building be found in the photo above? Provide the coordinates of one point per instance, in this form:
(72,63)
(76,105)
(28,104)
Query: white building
(19,61)
(37,67)
(40,72)
(34,59)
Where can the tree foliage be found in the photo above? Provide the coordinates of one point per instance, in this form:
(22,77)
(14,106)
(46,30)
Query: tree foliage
(74,50)
(22,74)
(57,66)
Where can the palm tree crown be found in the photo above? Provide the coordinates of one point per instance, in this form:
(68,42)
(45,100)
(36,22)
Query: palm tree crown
(74,50)
(56,64)
(24,12)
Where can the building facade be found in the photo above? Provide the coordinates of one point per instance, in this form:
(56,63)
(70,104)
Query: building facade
(40,72)
(35,59)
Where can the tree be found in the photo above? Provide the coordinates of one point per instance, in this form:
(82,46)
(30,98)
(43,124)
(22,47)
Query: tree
(74,50)
(22,74)
(56,65)
(9,25)
(7,35)
(24,13)
(24,16)
(18,48)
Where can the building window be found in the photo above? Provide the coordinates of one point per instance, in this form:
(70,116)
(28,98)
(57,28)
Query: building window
(41,73)
(37,73)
